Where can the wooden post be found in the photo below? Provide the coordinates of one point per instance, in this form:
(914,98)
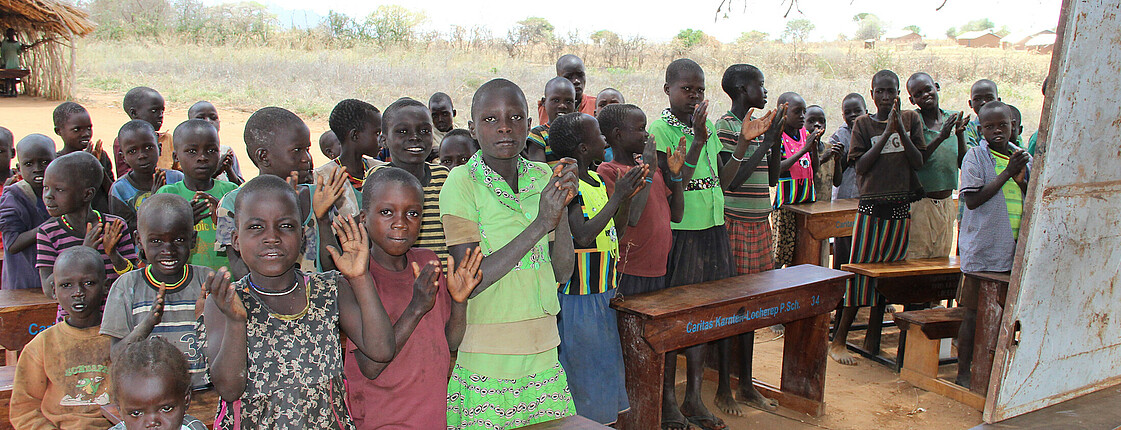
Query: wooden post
(804,356)
(645,371)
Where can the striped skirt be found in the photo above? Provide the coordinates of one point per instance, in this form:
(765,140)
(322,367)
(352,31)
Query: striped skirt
(752,250)
(874,240)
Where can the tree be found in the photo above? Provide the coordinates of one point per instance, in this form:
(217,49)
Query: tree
(952,32)
(869,26)
(978,25)
(913,28)
(605,37)
(751,37)
(531,31)
(797,30)
(393,24)
(690,37)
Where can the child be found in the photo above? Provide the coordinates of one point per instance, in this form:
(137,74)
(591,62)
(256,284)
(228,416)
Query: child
(747,206)
(1034,139)
(700,251)
(357,125)
(146,104)
(196,151)
(141,150)
(272,338)
(608,96)
(797,164)
(7,151)
(994,178)
(69,184)
(457,147)
(228,168)
(443,116)
(160,299)
(844,184)
(982,91)
(429,312)
(827,166)
(571,68)
(329,145)
(61,376)
(408,136)
(886,151)
(159,387)
(590,349)
(559,98)
(278,143)
(72,124)
(932,218)
(10,49)
(1017,126)
(507,373)
(22,211)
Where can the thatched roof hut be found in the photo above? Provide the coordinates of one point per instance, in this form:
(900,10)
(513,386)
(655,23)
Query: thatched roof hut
(52,68)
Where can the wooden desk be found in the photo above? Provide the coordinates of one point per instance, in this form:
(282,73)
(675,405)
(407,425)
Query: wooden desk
(904,282)
(993,289)
(204,406)
(574,422)
(14,73)
(820,221)
(23,314)
(800,297)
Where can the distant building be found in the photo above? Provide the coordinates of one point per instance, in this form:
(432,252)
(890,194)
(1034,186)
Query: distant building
(979,39)
(1041,43)
(902,37)
(1020,40)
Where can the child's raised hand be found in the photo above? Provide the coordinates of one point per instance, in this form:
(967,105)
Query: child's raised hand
(426,285)
(222,291)
(815,138)
(773,136)
(754,128)
(632,182)
(95,149)
(463,279)
(328,190)
(949,125)
(159,179)
(1016,164)
(294,180)
(650,151)
(225,163)
(565,171)
(93,235)
(700,116)
(963,123)
(114,230)
(204,206)
(676,160)
(352,259)
(837,151)
(556,195)
(155,315)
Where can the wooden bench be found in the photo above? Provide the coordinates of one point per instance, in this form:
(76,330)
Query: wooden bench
(800,297)
(820,221)
(7,377)
(993,290)
(906,282)
(23,314)
(574,422)
(204,406)
(925,329)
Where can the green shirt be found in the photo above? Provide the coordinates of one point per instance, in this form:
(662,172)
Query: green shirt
(1013,195)
(940,171)
(9,54)
(752,200)
(204,253)
(704,201)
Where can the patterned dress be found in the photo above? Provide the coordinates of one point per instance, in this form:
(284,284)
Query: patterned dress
(294,369)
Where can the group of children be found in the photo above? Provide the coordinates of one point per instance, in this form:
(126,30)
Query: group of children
(504,243)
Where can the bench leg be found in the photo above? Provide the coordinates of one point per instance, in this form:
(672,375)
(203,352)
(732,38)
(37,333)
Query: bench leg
(875,328)
(920,369)
(989,313)
(644,374)
(804,355)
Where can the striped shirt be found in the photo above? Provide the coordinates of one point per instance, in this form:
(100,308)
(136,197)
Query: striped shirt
(130,302)
(752,200)
(431,228)
(53,238)
(595,266)
(1013,195)
(540,136)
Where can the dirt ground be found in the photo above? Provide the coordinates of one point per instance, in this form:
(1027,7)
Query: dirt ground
(865,396)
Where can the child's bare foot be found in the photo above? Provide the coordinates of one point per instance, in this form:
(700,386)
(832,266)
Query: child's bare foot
(672,418)
(727,404)
(748,395)
(841,355)
(695,411)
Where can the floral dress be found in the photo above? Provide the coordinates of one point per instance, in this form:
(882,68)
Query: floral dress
(295,370)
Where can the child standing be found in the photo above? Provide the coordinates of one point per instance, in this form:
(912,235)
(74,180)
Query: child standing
(886,150)
(982,91)
(428,309)
(828,167)
(457,147)
(590,349)
(357,125)
(507,373)
(22,211)
(62,375)
(228,168)
(160,299)
(701,250)
(443,115)
(272,338)
(994,178)
(72,124)
(797,164)
(159,387)
(145,104)
(329,145)
(69,184)
(932,217)
(560,96)
(571,68)
(196,151)
(844,183)
(608,96)
(141,150)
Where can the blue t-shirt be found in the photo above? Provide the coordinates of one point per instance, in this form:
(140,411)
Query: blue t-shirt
(125,198)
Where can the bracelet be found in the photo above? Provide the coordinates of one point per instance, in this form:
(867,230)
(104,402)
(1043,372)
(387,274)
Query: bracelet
(691,166)
(737,158)
(126,269)
(673,179)
(649,180)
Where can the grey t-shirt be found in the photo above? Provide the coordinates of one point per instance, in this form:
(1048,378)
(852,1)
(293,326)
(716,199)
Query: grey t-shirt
(847,190)
(985,237)
(130,301)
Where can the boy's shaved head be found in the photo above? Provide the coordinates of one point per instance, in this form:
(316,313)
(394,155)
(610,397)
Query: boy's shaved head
(738,75)
(614,116)
(198,106)
(63,111)
(788,97)
(680,67)
(167,208)
(261,127)
(191,128)
(439,97)
(351,115)
(134,96)
(153,356)
(270,184)
(396,106)
(6,135)
(983,84)
(136,126)
(568,61)
(885,74)
(559,81)
(383,177)
(994,107)
(80,166)
(853,96)
(77,256)
(35,140)
(495,86)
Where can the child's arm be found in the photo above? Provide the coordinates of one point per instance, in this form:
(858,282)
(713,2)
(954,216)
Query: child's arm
(328,190)
(562,251)
(959,130)
(142,330)
(46,275)
(227,347)
(28,390)
(736,169)
(807,146)
(840,159)
(869,158)
(584,232)
(361,314)
(943,134)
(1016,163)
(462,280)
(534,151)
(637,204)
(108,237)
(554,198)
(912,139)
(21,241)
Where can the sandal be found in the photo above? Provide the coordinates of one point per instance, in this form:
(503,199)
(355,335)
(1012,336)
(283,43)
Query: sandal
(710,422)
(675,424)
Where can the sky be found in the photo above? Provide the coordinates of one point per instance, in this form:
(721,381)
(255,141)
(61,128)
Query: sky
(657,21)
